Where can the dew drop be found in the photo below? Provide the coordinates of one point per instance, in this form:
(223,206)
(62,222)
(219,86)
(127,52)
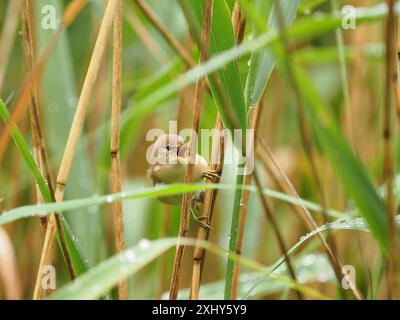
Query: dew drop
(130,255)
(144,244)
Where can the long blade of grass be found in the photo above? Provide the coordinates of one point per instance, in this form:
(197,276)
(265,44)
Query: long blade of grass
(310,268)
(302,30)
(262,63)
(107,274)
(147,192)
(78,260)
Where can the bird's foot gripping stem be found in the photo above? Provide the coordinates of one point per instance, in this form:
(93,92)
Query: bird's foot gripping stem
(202,220)
(213,175)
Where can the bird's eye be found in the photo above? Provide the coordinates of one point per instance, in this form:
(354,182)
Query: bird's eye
(169,148)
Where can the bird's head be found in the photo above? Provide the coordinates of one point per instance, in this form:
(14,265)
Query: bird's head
(168,148)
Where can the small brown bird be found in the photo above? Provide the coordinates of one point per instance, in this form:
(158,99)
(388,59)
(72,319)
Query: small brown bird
(170,157)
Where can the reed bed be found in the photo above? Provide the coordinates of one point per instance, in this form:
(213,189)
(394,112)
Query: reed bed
(301,204)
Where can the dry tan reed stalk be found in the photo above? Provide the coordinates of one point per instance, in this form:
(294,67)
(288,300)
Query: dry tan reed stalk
(8,268)
(145,35)
(388,150)
(75,132)
(46,256)
(180,50)
(239,22)
(217,163)
(173,42)
(7,37)
(198,103)
(37,138)
(38,142)
(115,141)
(272,166)
(397,99)
(23,99)
(162,266)
(207,209)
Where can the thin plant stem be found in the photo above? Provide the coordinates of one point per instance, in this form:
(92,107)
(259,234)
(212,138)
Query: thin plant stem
(162,266)
(75,132)
(207,209)
(388,149)
(145,35)
(239,22)
(179,49)
(198,102)
(38,142)
(115,140)
(270,216)
(396,88)
(169,37)
(37,137)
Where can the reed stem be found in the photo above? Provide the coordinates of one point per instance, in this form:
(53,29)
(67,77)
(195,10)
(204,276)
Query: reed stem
(115,140)
(198,102)
(207,209)
(75,132)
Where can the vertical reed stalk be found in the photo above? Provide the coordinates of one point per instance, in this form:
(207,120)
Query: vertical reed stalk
(179,49)
(388,150)
(38,142)
(169,38)
(75,132)
(115,140)
(207,209)
(37,138)
(198,102)
(162,266)
(146,37)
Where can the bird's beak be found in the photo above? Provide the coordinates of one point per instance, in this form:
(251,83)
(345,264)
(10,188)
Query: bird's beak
(183,151)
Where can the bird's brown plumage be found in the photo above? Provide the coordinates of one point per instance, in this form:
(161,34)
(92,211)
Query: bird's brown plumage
(171,156)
